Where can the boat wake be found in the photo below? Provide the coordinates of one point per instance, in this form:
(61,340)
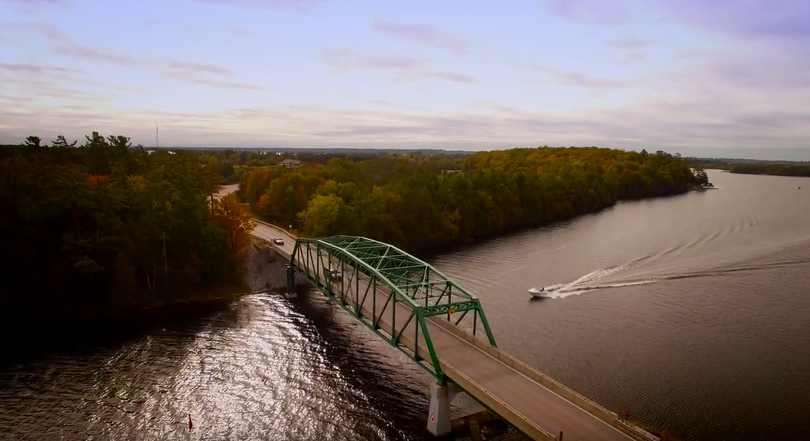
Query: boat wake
(607,278)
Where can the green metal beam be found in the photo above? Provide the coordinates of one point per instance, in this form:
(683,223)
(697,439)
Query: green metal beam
(406,280)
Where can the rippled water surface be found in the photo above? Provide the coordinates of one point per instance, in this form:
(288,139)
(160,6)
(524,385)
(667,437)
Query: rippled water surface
(691,313)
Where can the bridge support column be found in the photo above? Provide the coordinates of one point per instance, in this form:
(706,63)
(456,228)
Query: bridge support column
(290,294)
(439,419)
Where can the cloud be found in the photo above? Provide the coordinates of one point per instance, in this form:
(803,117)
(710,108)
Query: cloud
(66,47)
(196,28)
(30,83)
(406,68)
(629,42)
(347,59)
(277,5)
(185,66)
(35,69)
(576,79)
(190,77)
(34,6)
(781,72)
(751,18)
(62,44)
(630,49)
(423,34)
(787,19)
(668,124)
(598,12)
(579,80)
(195,73)
(452,76)
(765,45)
(238,32)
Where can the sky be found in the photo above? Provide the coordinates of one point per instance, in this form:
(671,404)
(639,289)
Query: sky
(656,74)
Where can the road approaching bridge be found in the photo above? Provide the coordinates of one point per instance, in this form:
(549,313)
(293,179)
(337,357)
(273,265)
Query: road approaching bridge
(422,313)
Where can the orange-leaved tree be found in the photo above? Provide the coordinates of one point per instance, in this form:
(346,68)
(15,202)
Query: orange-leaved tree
(234,218)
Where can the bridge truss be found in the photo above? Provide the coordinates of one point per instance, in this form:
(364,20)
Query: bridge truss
(391,292)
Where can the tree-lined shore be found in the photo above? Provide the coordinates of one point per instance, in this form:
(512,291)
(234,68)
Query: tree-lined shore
(106,227)
(419,202)
(754,166)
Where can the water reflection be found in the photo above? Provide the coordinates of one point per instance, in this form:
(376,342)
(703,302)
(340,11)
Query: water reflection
(263,368)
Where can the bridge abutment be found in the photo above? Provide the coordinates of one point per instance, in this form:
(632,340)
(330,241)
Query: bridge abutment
(439,418)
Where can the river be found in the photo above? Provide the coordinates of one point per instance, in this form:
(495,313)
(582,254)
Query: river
(689,312)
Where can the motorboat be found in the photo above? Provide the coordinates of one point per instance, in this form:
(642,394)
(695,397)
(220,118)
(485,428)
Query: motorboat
(538,292)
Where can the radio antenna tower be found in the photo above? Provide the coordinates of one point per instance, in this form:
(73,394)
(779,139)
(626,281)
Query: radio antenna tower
(157,137)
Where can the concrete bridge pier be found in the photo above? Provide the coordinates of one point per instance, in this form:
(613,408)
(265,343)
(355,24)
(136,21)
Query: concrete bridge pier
(439,418)
(290,293)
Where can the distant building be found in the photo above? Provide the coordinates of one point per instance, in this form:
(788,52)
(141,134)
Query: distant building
(290,163)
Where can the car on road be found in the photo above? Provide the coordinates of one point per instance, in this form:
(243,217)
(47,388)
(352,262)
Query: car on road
(278,241)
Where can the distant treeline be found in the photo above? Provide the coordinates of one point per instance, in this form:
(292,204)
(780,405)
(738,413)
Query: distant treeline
(771,169)
(418,202)
(232,163)
(105,227)
(754,166)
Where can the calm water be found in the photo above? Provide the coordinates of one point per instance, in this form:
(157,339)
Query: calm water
(689,312)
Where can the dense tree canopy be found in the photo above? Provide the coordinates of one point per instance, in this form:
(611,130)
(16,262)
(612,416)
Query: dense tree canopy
(107,226)
(417,202)
(771,169)
(754,166)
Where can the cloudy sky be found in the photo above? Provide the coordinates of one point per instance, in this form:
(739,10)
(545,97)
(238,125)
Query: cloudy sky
(670,74)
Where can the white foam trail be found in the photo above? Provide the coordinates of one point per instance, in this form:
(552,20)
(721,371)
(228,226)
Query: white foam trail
(585,283)
(555,293)
(594,276)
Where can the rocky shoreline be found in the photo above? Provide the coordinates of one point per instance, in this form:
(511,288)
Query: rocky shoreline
(265,270)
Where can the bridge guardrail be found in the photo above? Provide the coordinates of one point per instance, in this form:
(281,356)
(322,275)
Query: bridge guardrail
(555,386)
(489,399)
(259,221)
(633,431)
(467,383)
(260,239)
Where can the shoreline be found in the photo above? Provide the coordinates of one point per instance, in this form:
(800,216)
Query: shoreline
(32,325)
(429,252)
(263,271)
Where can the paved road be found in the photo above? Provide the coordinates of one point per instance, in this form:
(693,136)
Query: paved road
(537,405)
(226,190)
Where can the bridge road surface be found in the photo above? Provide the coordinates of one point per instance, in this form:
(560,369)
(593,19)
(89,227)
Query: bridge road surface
(542,408)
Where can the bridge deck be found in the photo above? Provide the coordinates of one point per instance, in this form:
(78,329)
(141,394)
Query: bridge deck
(526,403)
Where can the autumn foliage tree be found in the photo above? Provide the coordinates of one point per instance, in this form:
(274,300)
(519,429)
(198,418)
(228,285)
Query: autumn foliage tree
(421,201)
(110,226)
(234,218)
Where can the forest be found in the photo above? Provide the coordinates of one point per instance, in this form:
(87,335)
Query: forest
(419,202)
(771,169)
(753,166)
(105,226)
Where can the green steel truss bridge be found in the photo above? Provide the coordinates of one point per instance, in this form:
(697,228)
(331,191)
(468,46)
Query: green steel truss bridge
(441,326)
(365,272)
